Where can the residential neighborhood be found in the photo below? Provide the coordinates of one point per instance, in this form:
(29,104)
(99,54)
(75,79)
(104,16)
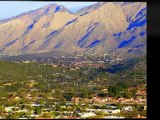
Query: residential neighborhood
(69,89)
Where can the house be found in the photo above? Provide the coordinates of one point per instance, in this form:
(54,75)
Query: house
(141,100)
(15,109)
(145,107)
(115,111)
(63,107)
(23,118)
(72,69)
(27,61)
(11,97)
(57,74)
(104,100)
(35,104)
(104,90)
(102,110)
(111,105)
(138,116)
(75,99)
(121,100)
(68,103)
(24,95)
(91,110)
(141,93)
(119,59)
(24,110)
(109,99)
(127,108)
(96,99)
(7,109)
(54,65)
(35,116)
(128,100)
(68,112)
(58,117)
(131,100)
(87,114)
(39,98)
(7,84)
(30,97)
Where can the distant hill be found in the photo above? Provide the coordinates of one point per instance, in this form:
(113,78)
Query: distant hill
(105,27)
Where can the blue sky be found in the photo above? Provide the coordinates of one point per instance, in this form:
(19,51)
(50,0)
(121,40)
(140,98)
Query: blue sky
(12,8)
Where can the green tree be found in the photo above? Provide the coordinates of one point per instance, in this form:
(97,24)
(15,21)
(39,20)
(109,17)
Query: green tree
(38,110)
(119,106)
(47,115)
(68,96)
(127,94)
(85,92)
(113,91)
(58,107)
(133,93)
(13,116)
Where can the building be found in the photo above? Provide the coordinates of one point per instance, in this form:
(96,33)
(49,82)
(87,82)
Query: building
(127,108)
(87,114)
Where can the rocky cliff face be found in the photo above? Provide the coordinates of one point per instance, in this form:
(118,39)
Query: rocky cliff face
(101,28)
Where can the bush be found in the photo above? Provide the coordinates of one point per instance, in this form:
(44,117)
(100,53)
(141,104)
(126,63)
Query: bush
(47,115)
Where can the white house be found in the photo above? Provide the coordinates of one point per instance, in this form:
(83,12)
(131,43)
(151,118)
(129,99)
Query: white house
(35,104)
(114,111)
(87,114)
(128,108)
(23,118)
(7,109)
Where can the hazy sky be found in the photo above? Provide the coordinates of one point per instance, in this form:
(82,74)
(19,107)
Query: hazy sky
(12,8)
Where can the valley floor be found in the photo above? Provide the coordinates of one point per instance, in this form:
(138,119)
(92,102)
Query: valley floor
(46,90)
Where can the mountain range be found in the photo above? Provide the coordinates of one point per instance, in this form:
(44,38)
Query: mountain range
(102,28)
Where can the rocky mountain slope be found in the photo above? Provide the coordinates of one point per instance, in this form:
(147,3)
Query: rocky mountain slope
(102,28)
